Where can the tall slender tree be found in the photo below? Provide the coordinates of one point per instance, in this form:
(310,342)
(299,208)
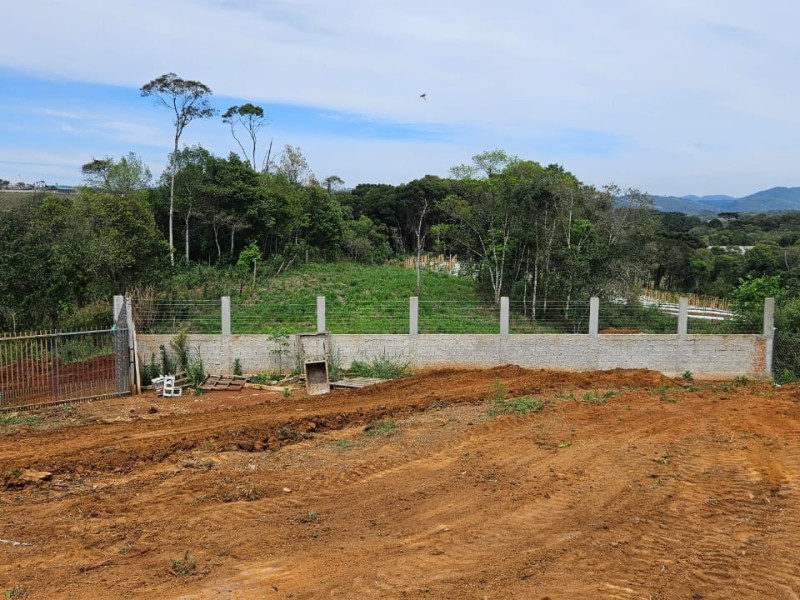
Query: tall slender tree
(188,100)
(252,119)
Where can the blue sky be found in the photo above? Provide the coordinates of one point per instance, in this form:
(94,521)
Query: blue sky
(669,96)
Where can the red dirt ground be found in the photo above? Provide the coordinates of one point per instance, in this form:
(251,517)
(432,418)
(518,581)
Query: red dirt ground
(625,485)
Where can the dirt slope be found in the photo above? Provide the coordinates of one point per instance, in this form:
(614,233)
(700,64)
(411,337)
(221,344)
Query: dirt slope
(626,485)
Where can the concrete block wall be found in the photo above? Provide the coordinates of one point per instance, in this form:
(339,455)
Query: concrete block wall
(256,353)
(706,356)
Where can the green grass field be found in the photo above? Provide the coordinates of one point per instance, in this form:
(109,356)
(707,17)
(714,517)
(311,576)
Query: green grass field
(359,299)
(373,299)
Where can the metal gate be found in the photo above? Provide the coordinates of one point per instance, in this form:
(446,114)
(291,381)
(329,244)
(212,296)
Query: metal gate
(41,369)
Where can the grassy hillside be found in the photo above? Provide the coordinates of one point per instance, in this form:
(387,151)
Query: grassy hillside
(343,281)
(359,299)
(369,299)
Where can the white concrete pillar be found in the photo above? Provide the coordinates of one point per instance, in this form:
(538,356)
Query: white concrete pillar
(135,373)
(683,317)
(226,360)
(594,316)
(769,334)
(769,317)
(119,302)
(504,315)
(320,314)
(413,315)
(226,315)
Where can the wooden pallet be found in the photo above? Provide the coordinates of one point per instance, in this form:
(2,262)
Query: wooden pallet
(232,383)
(356,382)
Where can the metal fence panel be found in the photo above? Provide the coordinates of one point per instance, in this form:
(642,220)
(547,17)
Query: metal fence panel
(786,356)
(40,369)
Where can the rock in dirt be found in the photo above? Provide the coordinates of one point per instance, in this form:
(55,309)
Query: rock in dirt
(31,476)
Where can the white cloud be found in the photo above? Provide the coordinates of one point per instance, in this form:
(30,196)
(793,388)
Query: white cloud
(61,114)
(688,84)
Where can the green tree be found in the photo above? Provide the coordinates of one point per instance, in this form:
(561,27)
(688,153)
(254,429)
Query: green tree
(192,175)
(363,241)
(324,229)
(748,297)
(333,183)
(234,201)
(482,215)
(249,258)
(61,253)
(293,166)
(126,176)
(762,259)
(187,100)
(250,118)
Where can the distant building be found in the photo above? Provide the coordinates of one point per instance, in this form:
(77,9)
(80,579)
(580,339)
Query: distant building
(732,249)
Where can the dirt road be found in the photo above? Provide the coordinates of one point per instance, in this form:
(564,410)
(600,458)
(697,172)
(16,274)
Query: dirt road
(624,484)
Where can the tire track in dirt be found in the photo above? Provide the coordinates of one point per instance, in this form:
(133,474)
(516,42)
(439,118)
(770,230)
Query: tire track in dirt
(444,522)
(118,446)
(558,504)
(734,502)
(579,500)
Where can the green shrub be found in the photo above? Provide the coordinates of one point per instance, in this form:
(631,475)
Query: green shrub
(180,345)
(150,370)
(335,370)
(381,367)
(264,378)
(168,364)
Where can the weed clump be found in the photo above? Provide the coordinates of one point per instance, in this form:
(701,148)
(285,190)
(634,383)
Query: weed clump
(385,427)
(17,419)
(500,405)
(592,397)
(182,357)
(381,367)
(183,567)
(517,406)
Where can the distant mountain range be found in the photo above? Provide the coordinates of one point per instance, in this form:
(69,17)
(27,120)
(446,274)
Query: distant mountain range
(771,200)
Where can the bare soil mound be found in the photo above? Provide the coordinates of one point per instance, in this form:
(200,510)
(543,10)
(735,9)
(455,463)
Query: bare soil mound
(617,484)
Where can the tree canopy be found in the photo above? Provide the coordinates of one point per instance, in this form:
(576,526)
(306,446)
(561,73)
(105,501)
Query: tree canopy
(521,229)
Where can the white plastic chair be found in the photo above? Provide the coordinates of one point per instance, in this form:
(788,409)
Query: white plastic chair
(158,385)
(170,389)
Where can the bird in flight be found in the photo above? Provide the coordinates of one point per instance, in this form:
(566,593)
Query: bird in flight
(424,96)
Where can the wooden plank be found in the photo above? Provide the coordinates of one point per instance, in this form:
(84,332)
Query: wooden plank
(356,382)
(219,382)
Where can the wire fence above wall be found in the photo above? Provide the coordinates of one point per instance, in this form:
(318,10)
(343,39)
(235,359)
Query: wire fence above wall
(551,317)
(394,317)
(255,317)
(173,316)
